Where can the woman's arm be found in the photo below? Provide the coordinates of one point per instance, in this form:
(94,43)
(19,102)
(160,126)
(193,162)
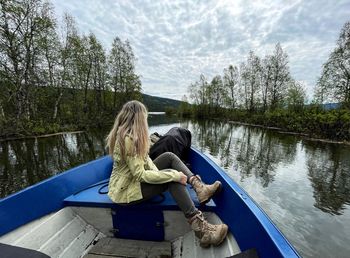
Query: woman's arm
(151,165)
(136,166)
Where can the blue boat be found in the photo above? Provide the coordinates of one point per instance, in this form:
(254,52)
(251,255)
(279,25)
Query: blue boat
(69,215)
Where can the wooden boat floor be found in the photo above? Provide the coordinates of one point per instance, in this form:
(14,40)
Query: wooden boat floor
(182,239)
(116,247)
(186,246)
(86,232)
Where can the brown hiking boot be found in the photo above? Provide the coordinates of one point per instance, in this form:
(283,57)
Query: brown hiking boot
(204,192)
(207,233)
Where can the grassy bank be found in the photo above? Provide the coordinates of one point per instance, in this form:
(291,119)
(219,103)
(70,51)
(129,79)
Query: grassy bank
(311,121)
(74,112)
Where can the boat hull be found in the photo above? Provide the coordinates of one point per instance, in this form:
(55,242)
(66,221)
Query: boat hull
(251,227)
(249,224)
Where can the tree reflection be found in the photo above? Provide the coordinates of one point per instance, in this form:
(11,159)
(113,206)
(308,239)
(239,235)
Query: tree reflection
(26,162)
(328,170)
(155,119)
(211,135)
(251,151)
(260,152)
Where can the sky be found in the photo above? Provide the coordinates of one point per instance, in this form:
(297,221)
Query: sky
(176,41)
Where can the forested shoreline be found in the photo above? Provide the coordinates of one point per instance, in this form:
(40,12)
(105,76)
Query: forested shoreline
(53,78)
(261,91)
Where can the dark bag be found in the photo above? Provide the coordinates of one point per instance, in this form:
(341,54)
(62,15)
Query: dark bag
(177,140)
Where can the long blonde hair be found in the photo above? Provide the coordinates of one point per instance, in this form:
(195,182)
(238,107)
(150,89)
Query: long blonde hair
(131,121)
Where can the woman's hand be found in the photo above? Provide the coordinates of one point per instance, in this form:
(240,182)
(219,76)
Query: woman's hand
(183,178)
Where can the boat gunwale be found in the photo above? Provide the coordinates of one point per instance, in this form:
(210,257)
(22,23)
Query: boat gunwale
(285,248)
(72,182)
(17,208)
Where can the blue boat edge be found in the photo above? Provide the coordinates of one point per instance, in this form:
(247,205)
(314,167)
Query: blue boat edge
(268,240)
(43,197)
(234,206)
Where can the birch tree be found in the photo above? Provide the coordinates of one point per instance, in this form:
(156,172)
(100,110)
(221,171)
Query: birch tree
(334,82)
(296,96)
(231,81)
(279,78)
(22,26)
(251,79)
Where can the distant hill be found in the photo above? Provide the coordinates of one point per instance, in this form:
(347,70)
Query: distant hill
(158,104)
(330,106)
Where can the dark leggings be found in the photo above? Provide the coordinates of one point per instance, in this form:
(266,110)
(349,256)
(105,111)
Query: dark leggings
(177,190)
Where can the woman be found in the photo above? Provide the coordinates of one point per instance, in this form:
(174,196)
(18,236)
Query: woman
(136,178)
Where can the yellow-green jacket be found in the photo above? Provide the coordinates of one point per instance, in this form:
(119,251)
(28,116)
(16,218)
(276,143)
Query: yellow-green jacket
(125,181)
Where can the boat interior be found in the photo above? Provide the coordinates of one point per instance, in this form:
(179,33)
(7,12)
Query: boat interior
(90,225)
(70,215)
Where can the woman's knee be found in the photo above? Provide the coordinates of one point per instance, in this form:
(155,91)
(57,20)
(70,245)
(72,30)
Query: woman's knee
(172,155)
(168,155)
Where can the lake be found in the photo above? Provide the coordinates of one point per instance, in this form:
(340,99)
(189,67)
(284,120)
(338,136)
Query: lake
(303,185)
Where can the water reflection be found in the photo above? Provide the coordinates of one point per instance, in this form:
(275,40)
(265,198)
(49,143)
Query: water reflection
(252,151)
(26,162)
(259,153)
(303,186)
(158,119)
(249,151)
(329,172)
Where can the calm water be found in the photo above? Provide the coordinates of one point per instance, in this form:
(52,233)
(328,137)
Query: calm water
(303,186)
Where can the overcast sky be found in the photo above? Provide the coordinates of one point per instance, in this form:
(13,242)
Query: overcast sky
(176,41)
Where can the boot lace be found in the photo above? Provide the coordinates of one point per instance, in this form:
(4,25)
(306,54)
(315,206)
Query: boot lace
(208,226)
(205,225)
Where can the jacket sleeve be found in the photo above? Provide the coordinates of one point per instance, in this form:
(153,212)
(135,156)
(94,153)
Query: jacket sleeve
(136,166)
(151,165)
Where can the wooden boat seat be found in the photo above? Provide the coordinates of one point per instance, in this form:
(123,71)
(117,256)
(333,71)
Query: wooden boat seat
(90,197)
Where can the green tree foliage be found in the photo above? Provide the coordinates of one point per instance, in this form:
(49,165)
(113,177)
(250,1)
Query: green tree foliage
(121,64)
(24,27)
(217,92)
(263,92)
(98,75)
(296,96)
(231,84)
(334,82)
(184,107)
(250,79)
(198,91)
(52,76)
(275,77)
(208,97)
(280,77)
(257,85)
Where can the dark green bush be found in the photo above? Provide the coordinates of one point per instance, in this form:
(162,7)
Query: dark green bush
(312,120)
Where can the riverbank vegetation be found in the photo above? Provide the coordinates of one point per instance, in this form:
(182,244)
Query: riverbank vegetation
(53,77)
(262,91)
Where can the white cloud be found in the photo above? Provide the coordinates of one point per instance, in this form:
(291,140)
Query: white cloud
(175,41)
